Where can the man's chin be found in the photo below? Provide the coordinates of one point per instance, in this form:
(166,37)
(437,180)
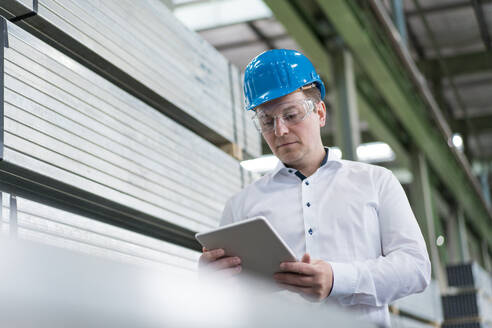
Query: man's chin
(288,157)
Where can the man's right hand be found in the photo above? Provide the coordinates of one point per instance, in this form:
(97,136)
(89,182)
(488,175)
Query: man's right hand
(215,261)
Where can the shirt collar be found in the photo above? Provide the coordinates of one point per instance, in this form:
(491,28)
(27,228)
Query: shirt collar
(330,157)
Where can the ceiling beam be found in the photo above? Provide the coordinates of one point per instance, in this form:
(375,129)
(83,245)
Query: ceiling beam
(381,132)
(300,31)
(450,78)
(461,64)
(442,8)
(482,23)
(479,124)
(269,42)
(240,44)
(218,27)
(414,41)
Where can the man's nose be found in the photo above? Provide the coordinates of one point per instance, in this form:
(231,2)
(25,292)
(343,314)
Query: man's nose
(280,127)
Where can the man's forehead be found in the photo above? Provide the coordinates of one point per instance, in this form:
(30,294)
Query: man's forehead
(282,101)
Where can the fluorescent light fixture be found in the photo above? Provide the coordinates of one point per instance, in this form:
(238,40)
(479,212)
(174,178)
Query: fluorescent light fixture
(202,15)
(267,163)
(261,164)
(457,141)
(375,152)
(404,176)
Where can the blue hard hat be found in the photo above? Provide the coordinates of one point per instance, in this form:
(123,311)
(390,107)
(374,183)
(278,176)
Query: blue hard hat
(276,73)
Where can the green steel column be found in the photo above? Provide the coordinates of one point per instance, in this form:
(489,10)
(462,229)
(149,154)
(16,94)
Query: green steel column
(486,256)
(424,210)
(484,181)
(463,237)
(346,118)
(475,247)
(439,231)
(367,113)
(453,239)
(487,263)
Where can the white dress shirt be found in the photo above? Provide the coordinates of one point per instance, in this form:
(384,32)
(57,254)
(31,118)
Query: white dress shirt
(353,215)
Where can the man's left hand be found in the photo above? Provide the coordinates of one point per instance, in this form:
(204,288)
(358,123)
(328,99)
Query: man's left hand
(310,278)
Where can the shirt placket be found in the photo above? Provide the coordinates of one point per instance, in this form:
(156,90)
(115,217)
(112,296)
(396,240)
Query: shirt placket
(309,215)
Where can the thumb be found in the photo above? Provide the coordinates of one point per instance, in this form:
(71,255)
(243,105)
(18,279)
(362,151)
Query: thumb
(306,258)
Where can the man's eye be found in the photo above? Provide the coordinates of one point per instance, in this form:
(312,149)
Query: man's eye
(267,122)
(290,116)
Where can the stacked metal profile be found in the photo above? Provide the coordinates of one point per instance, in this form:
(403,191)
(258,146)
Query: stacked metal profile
(469,301)
(144,49)
(244,129)
(31,220)
(400,321)
(80,144)
(418,310)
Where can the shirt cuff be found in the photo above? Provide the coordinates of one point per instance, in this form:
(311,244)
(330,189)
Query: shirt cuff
(344,279)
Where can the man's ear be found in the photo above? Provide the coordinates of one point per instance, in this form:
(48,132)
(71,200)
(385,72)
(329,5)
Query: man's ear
(321,112)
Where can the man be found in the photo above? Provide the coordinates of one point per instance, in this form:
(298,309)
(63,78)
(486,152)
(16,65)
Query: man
(350,222)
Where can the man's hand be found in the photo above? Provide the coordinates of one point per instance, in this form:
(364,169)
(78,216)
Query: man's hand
(310,278)
(216,261)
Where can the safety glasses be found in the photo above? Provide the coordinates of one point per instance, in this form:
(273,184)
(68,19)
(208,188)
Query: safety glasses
(289,113)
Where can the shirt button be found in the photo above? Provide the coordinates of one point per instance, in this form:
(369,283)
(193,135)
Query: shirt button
(308,204)
(290,171)
(310,231)
(307,183)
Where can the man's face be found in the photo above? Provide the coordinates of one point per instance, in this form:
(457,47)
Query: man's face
(294,144)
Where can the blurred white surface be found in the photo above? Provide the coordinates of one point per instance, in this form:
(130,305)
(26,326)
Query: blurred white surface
(43,286)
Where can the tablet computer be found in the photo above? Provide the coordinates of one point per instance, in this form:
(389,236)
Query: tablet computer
(255,241)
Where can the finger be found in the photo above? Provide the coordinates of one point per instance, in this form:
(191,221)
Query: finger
(224,263)
(204,250)
(214,254)
(294,279)
(306,258)
(298,267)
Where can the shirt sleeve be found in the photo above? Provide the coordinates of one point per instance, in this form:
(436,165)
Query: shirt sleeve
(402,269)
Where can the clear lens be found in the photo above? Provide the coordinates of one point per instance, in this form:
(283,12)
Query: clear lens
(290,113)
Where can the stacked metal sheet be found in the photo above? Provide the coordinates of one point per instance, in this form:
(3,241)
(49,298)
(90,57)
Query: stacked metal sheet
(469,304)
(466,325)
(399,321)
(30,220)
(142,48)
(466,304)
(425,306)
(63,121)
(246,135)
(469,275)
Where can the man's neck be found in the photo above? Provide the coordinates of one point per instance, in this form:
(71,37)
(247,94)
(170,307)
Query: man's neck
(311,165)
